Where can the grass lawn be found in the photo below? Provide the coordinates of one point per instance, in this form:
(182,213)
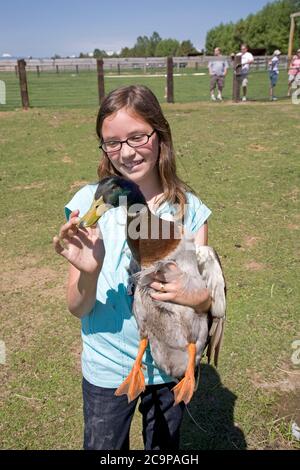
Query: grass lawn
(243,160)
(68,89)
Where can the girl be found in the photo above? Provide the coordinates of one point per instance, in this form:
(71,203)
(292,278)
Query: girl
(136,142)
(294,72)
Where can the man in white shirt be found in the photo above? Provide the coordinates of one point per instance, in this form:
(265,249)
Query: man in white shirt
(246,59)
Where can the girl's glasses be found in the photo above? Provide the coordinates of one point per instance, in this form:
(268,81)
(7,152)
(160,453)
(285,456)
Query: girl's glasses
(137,140)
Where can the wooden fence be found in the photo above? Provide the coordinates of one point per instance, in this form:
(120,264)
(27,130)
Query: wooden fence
(146,64)
(163,67)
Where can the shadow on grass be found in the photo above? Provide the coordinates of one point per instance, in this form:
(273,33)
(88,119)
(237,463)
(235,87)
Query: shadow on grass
(212,408)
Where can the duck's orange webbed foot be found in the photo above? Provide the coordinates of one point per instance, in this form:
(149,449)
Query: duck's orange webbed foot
(134,384)
(184,390)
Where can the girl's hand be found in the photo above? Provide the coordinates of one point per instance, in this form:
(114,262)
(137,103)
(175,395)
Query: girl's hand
(178,292)
(82,247)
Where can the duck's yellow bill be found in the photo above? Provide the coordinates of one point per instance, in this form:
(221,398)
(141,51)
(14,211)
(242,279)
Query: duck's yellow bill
(94,213)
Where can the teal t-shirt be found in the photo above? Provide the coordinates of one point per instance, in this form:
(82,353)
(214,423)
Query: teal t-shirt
(109,332)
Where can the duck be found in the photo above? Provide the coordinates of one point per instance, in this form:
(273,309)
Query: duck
(177,335)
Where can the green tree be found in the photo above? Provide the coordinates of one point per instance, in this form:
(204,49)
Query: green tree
(167,47)
(155,46)
(211,41)
(99,54)
(141,46)
(126,52)
(186,48)
(152,44)
(268,28)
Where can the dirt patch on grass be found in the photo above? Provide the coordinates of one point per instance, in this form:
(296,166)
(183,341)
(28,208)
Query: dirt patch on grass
(254,266)
(293,227)
(6,377)
(55,121)
(67,159)
(78,184)
(286,409)
(26,277)
(293,195)
(4,114)
(251,241)
(76,350)
(182,114)
(257,148)
(29,294)
(34,185)
(288,406)
(286,381)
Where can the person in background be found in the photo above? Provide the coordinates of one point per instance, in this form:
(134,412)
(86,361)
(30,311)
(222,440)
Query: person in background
(247,59)
(217,70)
(274,73)
(294,71)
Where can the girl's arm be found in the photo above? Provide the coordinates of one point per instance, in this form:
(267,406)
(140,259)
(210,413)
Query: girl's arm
(85,251)
(201,237)
(81,292)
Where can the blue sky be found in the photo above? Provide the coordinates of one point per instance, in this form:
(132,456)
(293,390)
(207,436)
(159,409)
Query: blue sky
(66,27)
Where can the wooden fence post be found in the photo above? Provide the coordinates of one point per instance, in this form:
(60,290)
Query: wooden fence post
(292,33)
(119,68)
(100,73)
(267,62)
(57,69)
(16,70)
(291,39)
(38,70)
(170,83)
(237,66)
(23,83)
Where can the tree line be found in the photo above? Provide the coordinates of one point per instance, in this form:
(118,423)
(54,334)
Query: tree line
(153,46)
(268,29)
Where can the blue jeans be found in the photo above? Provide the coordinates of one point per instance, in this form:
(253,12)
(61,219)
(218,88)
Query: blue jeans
(107,418)
(273,78)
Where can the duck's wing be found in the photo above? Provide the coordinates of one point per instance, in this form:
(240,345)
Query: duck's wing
(211,270)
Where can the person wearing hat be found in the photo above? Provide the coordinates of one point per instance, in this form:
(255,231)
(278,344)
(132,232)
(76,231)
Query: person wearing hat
(294,71)
(274,73)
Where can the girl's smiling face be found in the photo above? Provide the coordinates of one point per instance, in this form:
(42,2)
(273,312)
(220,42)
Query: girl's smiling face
(138,164)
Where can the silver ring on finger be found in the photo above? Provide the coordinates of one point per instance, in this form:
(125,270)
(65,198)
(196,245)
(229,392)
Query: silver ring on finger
(162,287)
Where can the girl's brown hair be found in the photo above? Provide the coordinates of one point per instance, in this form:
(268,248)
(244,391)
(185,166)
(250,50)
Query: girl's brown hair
(143,102)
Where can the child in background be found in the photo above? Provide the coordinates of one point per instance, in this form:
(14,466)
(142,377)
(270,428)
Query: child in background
(274,73)
(294,71)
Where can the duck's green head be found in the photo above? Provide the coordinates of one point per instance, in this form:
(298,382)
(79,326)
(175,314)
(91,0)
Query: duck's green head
(113,191)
